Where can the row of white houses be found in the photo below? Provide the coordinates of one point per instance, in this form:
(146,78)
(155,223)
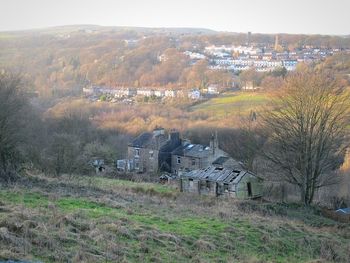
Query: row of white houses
(123,92)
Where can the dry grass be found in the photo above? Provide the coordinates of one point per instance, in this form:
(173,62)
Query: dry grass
(54,221)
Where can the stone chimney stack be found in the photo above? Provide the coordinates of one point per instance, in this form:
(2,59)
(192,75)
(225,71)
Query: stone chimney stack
(214,143)
(174,136)
(158,131)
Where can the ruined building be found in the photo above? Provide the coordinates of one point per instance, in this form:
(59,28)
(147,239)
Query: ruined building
(188,157)
(217,181)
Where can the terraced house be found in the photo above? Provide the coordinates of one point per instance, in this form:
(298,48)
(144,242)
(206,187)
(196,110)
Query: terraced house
(157,151)
(151,151)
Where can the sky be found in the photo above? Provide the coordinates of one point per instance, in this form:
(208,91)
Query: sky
(258,16)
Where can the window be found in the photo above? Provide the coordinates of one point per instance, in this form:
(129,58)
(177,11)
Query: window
(191,182)
(202,185)
(137,152)
(178,159)
(249,188)
(207,184)
(193,162)
(151,154)
(136,165)
(225,187)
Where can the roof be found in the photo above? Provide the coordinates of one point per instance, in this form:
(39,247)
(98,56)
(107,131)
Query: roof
(216,174)
(192,150)
(344,211)
(221,160)
(170,145)
(149,140)
(142,139)
(227,162)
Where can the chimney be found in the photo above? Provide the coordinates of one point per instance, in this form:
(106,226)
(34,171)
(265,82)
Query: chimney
(174,136)
(158,131)
(214,143)
(185,142)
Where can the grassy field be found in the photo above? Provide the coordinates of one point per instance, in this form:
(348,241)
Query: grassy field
(86,219)
(238,103)
(4,36)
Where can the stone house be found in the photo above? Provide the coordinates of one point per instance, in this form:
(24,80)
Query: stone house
(157,151)
(143,150)
(188,157)
(151,151)
(218,181)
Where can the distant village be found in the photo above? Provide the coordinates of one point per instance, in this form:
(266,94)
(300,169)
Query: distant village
(260,57)
(231,58)
(126,94)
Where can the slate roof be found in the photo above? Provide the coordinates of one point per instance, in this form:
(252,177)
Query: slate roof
(192,150)
(215,174)
(148,140)
(221,160)
(170,145)
(142,140)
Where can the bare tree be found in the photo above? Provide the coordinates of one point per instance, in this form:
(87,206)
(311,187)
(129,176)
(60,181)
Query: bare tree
(308,132)
(13,105)
(63,155)
(246,143)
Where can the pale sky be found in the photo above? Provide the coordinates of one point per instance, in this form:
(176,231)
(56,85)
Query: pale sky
(258,16)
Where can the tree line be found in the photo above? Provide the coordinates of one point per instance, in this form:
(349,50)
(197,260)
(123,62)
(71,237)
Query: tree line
(29,140)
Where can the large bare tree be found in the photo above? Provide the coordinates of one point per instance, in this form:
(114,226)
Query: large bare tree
(308,132)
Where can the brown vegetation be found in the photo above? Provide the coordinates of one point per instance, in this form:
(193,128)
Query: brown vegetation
(308,132)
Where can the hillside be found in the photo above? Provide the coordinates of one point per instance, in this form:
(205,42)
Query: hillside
(233,103)
(60,61)
(107,220)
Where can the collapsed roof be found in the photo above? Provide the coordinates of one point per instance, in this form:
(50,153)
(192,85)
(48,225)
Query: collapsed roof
(216,174)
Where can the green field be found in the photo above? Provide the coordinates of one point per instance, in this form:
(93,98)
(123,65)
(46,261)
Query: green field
(75,219)
(238,103)
(6,36)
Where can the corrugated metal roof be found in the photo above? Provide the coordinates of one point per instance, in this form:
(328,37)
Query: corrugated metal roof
(344,211)
(216,174)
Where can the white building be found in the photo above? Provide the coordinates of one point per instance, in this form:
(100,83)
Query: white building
(194,55)
(121,92)
(88,91)
(213,89)
(246,50)
(145,92)
(194,94)
(170,93)
(159,93)
(290,65)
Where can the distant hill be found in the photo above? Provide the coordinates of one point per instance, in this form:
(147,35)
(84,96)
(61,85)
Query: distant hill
(96,28)
(59,61)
